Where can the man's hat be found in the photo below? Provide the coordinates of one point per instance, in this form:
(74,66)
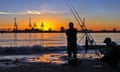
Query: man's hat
(108,39)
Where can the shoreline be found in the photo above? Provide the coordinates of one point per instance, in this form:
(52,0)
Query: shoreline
(27,50)
(84,65)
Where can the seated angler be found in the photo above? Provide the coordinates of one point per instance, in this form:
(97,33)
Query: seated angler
(111,55)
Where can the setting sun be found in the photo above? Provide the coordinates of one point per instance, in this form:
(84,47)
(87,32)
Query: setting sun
(45,26)
(54,17)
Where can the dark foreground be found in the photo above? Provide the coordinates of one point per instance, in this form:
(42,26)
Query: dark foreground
(82,66)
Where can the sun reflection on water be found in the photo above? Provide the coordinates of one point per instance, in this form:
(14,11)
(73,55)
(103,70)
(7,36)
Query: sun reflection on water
(59,58)
(49,58)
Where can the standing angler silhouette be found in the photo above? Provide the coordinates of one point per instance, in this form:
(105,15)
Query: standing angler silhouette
(71,34)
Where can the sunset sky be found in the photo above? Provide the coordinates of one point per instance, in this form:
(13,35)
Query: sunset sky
(99,14)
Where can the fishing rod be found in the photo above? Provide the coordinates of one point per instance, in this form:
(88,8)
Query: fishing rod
(83,26)
(78,18)
(89,37)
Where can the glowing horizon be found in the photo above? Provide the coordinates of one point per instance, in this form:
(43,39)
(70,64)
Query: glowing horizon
(99,14)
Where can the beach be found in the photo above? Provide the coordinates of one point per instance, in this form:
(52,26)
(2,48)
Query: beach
(82,66)
(54,60)
(48,54)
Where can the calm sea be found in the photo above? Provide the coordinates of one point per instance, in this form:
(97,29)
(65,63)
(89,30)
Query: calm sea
(49,39)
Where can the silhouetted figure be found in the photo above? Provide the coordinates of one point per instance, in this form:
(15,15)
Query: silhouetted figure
(71,41)
(111,55)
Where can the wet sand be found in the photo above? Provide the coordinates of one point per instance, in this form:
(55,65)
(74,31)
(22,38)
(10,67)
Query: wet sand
(82,66)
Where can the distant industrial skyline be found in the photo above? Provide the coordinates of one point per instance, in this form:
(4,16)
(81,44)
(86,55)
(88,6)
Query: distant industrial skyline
(99,14)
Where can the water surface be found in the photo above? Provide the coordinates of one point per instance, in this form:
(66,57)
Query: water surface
(49,39)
